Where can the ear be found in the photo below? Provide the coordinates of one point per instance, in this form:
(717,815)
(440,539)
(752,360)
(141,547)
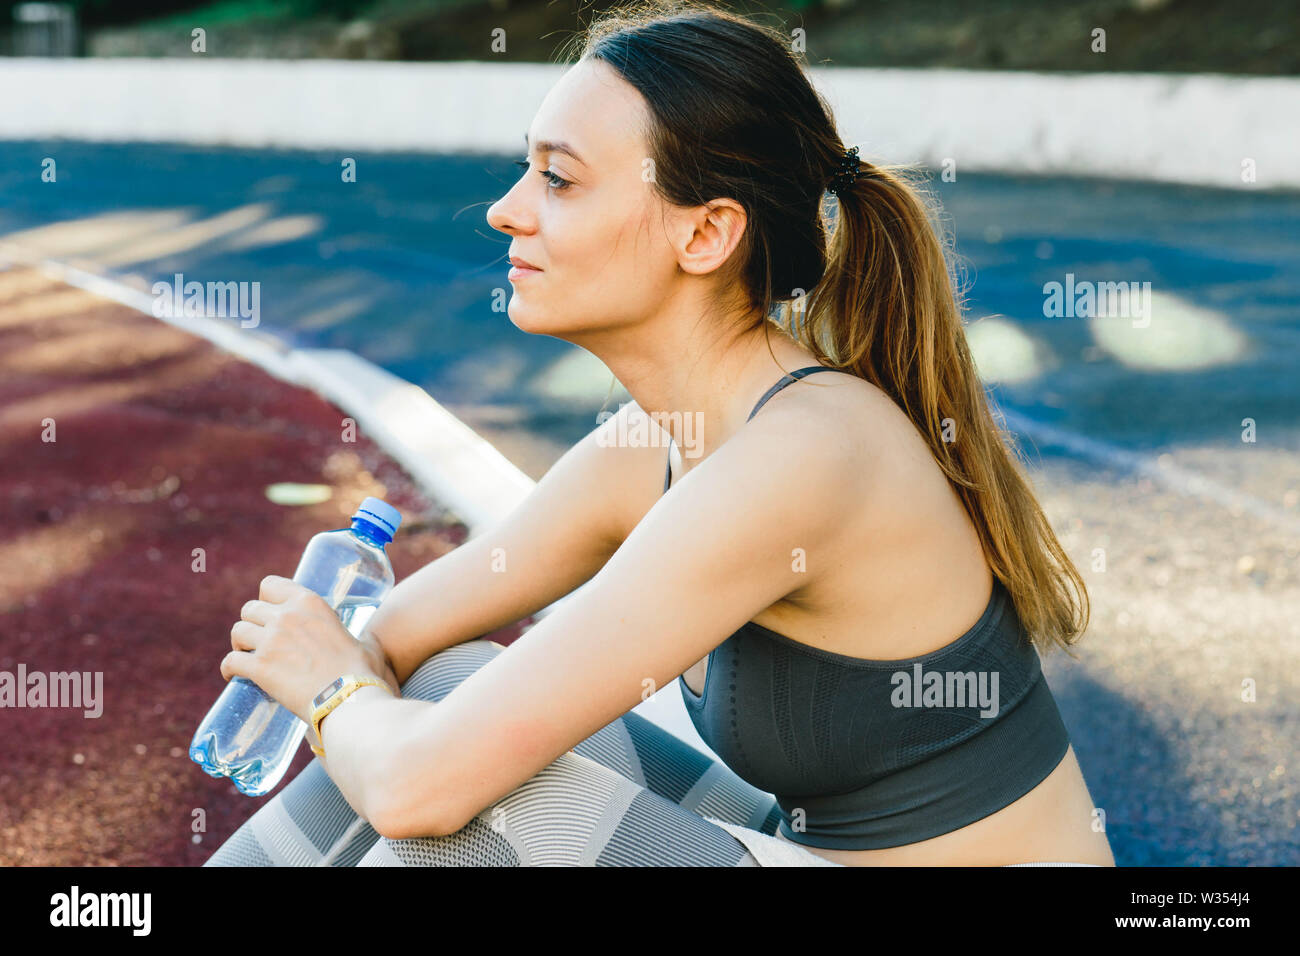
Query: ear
(709,234)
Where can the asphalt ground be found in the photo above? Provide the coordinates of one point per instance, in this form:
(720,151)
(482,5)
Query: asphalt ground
(162,444)
(1186,534)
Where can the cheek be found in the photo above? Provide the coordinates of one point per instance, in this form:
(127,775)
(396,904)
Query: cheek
(618,253)
(576,238)
(600,254)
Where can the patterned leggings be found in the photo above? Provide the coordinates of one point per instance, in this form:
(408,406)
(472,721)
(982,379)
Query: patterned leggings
(631,794)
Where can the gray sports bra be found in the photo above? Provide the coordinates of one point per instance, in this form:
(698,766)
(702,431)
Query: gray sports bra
(864,754)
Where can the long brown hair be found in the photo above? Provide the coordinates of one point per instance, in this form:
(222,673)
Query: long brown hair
(875,294)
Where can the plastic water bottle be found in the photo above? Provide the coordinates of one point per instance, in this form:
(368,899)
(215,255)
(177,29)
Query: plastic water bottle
(247,735)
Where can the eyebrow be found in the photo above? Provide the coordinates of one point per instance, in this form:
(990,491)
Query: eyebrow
(548,146)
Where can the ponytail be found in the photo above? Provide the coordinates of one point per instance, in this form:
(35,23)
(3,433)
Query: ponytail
(889,310)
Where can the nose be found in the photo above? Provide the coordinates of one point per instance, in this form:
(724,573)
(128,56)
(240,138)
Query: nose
(506,214)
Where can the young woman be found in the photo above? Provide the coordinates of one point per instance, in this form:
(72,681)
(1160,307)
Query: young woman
(848,572)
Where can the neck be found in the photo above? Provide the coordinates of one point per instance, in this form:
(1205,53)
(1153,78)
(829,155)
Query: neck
(696,382)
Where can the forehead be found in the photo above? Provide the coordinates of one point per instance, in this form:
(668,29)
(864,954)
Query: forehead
(596,112)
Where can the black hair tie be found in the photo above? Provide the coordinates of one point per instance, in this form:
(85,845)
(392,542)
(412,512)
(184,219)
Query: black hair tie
(847,174)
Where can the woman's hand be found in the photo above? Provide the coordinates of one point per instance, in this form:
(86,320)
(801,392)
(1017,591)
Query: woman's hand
(291,644)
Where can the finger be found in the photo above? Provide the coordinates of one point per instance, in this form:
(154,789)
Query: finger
(258,612)
(275,589)
(239,664)
(307,596)
(245,635)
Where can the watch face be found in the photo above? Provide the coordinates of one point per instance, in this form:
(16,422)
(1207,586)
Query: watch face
(328,692)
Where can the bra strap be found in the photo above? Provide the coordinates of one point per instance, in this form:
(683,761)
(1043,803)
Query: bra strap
(786,380)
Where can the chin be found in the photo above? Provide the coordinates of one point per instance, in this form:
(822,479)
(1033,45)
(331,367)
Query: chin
(528,316)
(529,319)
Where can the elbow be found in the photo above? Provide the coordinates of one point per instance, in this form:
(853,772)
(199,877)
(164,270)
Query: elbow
(406,825)
(401,812)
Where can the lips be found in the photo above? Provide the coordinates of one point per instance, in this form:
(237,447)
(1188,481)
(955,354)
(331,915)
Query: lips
(519,263)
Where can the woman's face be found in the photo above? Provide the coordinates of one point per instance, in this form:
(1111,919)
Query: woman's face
(591,221)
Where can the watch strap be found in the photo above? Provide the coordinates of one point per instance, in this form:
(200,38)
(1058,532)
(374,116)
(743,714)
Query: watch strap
(335,693)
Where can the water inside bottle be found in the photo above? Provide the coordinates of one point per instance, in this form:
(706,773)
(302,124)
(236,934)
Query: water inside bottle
(355,612)
(265,734)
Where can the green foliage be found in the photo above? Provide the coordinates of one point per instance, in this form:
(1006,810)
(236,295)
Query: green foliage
(117,12)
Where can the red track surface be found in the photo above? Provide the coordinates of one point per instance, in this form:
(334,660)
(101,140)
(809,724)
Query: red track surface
(164,443)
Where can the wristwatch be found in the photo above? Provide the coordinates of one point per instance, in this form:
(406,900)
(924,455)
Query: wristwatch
(335,693)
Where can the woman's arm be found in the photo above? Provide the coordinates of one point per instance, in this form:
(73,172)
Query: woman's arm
(699,564)
(554,541)
(355,736)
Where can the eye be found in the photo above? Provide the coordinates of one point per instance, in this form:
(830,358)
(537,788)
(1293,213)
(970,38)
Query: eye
(556,182)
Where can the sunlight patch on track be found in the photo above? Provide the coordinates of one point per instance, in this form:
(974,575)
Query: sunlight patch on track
(1177,335)
(1005,352)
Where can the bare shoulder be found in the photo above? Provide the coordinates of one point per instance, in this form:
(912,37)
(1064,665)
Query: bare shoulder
(839,430)
(814,443)
(845,422)
(842,418)
(879,499)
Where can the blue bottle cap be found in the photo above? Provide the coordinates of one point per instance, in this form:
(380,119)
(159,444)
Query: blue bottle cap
(380,513)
